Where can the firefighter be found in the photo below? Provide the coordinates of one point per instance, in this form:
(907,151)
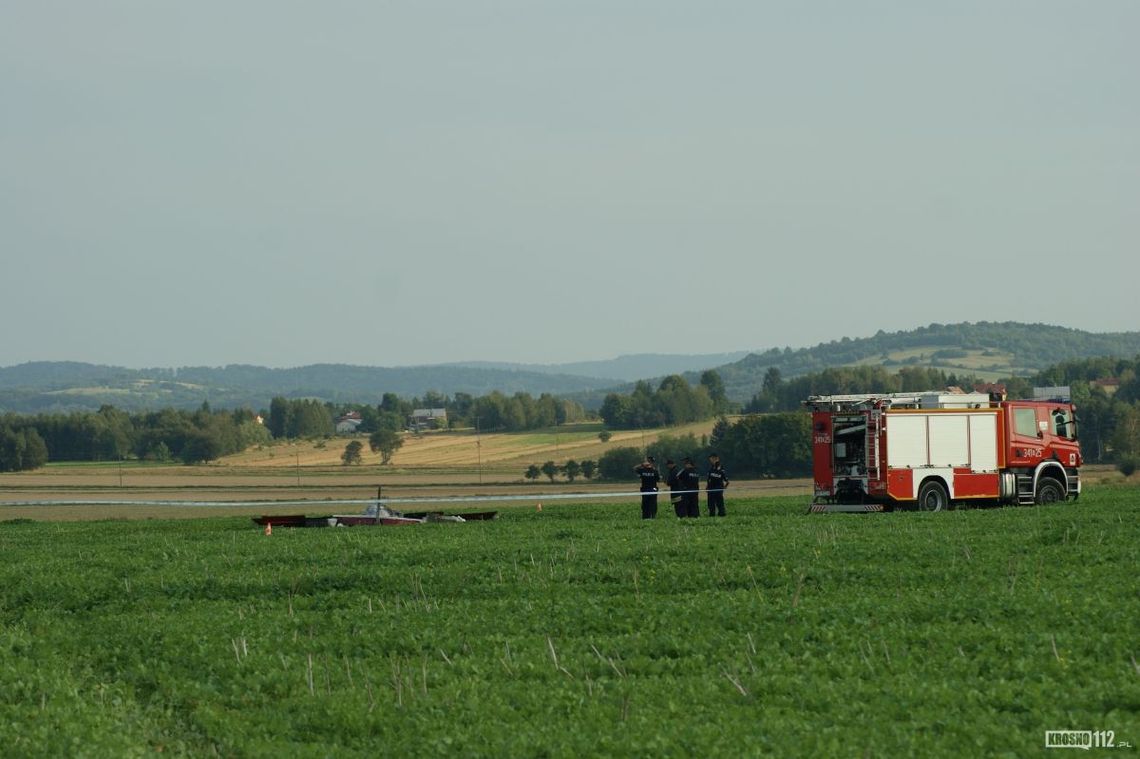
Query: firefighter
(671,480)
(689,481)
(649,475)
(715,483)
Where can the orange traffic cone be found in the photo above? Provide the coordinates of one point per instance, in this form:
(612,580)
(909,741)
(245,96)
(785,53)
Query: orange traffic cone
(269,528)
(539,507)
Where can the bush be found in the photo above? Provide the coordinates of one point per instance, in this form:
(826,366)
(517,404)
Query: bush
(1127,466)
(677,447)
(618,463)
(201,447)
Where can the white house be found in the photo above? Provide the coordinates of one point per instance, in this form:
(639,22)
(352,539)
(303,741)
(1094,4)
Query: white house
(427,419)
(347,424)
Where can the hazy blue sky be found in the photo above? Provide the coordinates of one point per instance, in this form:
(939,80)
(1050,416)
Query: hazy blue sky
(390,183)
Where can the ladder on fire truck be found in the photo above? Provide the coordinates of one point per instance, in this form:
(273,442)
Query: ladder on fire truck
(885,401)
(874,424)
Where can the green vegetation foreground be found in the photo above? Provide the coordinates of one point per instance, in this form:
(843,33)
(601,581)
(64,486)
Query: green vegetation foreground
(581,630)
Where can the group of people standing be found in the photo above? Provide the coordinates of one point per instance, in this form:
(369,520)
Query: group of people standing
(684,484)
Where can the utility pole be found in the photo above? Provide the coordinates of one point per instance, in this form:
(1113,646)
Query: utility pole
(298,455)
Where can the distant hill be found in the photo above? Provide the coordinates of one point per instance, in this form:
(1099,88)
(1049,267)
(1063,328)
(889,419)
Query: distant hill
(629,368)
(70,386)
(988,350)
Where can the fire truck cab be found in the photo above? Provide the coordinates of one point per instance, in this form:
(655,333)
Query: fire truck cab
(934,450)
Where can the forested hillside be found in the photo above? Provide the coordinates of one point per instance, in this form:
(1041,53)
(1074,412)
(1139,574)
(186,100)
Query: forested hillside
(988,350)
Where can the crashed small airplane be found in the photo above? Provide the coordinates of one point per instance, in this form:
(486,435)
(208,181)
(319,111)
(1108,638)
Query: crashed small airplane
(375,515)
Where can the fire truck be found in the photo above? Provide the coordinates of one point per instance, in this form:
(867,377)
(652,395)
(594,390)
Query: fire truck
(935,450)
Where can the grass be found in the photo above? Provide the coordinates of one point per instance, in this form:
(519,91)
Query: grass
(580,630)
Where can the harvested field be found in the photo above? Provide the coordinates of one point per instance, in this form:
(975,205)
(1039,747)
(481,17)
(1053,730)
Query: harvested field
(464,448)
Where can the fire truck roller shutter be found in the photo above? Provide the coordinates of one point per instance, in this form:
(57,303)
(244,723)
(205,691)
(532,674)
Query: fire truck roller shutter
(907,444)
(948,435)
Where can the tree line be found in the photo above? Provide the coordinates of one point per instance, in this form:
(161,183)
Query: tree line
(779,394)
(110,434)
(768,445)
(673,402)
(494,412)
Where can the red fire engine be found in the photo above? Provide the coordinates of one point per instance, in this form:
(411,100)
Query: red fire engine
(931,450)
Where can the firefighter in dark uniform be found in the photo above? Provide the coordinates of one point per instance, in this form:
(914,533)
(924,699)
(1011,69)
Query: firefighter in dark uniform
(689,480)
(649,475)
(715,482)
(671,481)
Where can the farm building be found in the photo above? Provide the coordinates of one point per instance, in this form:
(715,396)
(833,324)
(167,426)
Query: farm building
(427,419)
(348,424)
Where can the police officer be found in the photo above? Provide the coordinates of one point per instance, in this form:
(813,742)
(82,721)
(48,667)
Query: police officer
(689,480)
(715,482)
(649,475)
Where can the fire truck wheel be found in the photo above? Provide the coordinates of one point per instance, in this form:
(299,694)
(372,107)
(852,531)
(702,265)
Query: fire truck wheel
(1049,491)
(932,496)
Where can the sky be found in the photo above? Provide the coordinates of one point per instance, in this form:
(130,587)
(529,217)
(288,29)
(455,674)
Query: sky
(394,183)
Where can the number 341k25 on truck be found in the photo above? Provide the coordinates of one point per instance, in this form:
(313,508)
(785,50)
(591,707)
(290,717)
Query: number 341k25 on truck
(934,450)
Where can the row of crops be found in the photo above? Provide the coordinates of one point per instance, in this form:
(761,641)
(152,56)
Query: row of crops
(580,630)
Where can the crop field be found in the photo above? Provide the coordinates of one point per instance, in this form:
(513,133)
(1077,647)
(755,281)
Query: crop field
(578,630)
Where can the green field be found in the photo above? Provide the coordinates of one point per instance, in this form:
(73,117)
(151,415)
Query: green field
(577,631)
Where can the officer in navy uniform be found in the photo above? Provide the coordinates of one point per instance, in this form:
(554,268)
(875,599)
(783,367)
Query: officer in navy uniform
(715,482)
(689,480)
(649,475)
